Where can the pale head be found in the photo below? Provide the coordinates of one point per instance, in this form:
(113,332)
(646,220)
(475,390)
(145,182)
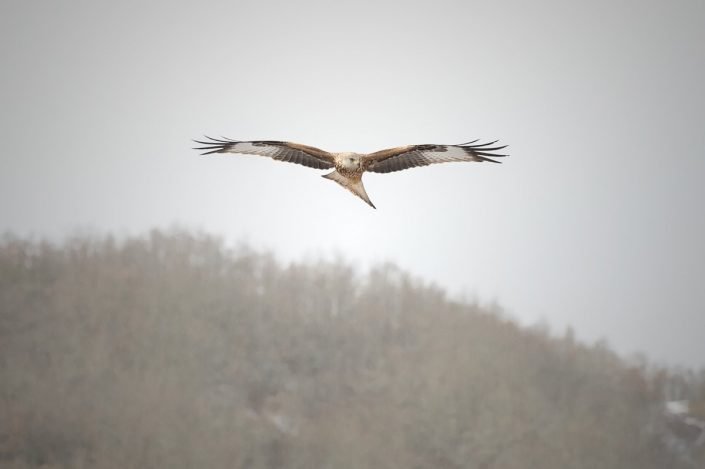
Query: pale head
(348,160)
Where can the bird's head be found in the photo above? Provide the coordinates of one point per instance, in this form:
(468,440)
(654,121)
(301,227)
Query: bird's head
(350,161)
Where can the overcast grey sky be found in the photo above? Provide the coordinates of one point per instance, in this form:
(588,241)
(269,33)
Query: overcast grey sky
(595,220)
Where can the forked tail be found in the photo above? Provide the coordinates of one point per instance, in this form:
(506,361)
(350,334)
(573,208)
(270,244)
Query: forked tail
(353,185)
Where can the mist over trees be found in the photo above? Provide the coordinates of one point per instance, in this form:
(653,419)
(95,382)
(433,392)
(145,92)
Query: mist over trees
(172,350)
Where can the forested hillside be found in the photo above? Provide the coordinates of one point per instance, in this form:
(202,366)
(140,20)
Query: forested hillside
(171,351)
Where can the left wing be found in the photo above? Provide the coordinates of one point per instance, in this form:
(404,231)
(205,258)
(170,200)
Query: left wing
(282,151)
(411,156)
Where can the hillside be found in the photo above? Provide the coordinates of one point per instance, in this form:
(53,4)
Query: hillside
(171,350)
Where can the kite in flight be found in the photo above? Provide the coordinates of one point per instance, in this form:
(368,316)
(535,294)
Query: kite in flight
(349,167)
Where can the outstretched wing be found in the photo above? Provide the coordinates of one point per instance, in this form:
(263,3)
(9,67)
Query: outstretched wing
(411,156)
(281,151)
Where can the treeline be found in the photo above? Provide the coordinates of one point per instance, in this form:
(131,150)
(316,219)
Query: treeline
(173,351)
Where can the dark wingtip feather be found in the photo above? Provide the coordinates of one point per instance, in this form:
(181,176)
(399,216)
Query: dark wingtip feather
(485,151)
(486,144)
(219,150)
(489,148)
(490,159)
(213,145)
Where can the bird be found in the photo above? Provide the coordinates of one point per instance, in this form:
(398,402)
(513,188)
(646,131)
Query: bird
(348,167)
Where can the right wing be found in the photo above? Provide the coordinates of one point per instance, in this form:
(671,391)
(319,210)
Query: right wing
(411,156)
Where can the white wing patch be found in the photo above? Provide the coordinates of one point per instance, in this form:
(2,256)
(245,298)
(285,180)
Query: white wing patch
(247,148)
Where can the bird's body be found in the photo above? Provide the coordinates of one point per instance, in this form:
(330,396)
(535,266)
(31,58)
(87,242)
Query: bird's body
(348,173)
(349,166)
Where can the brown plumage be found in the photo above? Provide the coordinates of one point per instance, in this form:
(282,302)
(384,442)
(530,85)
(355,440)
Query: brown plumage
(349,166)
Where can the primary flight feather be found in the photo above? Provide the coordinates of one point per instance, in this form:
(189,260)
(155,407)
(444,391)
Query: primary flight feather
(349,166)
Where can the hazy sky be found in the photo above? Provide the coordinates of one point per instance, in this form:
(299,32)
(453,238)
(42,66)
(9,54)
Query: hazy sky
(595,220)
